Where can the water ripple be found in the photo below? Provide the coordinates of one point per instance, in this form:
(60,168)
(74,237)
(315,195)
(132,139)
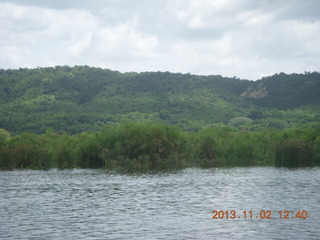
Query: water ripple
(99,204)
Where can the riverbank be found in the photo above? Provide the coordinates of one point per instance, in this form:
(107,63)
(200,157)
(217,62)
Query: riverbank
(161,146)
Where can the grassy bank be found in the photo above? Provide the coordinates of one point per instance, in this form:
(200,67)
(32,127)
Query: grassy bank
(160,146)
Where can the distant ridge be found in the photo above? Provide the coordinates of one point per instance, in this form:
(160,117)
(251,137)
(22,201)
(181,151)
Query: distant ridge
(83,98)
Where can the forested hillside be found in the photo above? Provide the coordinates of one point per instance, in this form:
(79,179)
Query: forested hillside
(82,98)
(284,91)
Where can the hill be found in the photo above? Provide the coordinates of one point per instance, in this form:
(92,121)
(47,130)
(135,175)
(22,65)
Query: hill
(82,98)
(282,91)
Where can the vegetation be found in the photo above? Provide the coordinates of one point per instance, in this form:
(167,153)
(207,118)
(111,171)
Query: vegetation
(67,117)
(143,146)
(81,98)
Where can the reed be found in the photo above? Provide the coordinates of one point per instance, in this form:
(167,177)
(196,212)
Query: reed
(294,153)
(143,146)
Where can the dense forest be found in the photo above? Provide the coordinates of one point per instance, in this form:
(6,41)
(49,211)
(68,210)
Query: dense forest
(82,98)
(66,117)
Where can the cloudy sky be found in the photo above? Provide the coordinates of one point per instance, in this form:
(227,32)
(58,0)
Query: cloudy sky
(244,38)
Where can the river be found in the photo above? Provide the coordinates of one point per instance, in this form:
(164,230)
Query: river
(101,204)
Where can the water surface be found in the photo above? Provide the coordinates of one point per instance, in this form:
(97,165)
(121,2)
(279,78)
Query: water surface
(99,204)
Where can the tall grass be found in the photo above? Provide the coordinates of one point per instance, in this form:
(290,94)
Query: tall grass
(294,153)
(158,146)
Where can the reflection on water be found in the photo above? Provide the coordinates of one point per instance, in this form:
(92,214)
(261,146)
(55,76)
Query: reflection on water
(98,204)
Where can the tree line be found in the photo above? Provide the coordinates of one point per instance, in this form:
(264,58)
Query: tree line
(147,146)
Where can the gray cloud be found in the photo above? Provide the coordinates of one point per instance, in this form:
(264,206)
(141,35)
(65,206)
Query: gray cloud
(243,38)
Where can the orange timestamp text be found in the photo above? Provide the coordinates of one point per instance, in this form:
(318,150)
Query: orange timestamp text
(263,214)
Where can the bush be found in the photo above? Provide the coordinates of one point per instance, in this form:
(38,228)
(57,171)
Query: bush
(138,145)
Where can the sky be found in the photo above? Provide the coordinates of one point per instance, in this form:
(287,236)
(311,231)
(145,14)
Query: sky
(248,39)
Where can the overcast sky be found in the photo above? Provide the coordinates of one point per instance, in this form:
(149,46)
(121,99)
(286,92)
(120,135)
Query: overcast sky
(244,38)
